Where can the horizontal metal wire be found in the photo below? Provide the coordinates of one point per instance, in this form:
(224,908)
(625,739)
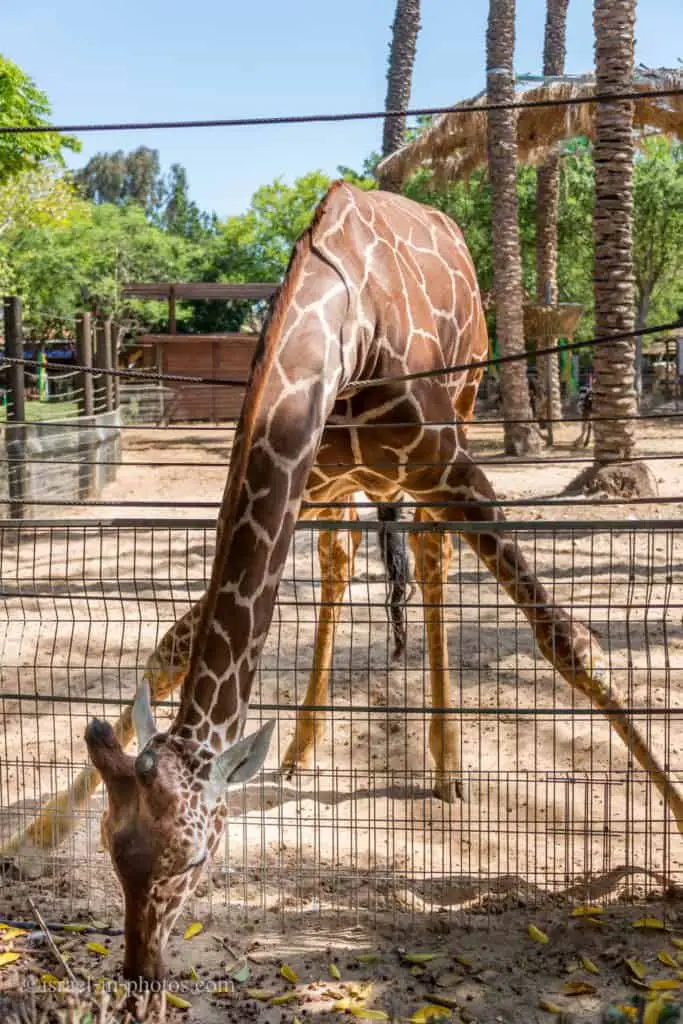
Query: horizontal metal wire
(247,122)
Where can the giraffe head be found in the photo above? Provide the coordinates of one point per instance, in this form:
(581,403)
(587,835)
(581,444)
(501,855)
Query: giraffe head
(164,820)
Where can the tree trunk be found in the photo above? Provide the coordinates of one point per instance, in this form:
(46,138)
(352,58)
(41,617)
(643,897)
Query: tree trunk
(520,437)
(404,31)
(547,206)
(614,393)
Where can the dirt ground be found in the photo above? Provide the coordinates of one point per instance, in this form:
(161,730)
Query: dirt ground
(357,858)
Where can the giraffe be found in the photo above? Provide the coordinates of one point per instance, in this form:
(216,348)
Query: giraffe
(377,287)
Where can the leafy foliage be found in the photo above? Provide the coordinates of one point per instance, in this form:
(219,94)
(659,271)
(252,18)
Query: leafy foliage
(23,104)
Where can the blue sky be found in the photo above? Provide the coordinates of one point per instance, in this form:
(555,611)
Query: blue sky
(173,60)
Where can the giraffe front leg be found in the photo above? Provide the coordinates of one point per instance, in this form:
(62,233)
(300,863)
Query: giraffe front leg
(336,552)
(433,553)
(568,645)
(165,671)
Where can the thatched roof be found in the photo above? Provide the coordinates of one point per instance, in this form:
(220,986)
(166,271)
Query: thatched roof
(456,143)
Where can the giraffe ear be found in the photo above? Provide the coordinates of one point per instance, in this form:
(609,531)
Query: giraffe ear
(143,719)
(243,759)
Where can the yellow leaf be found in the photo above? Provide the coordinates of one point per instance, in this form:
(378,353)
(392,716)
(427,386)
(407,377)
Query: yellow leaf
(174,1000)
(335,972)
(12,933)
(193,974)
(75,927)
(288,974)
(594,920)
(343,1004)
(362,1014)
(288,997)
(372,958)
(259,993)
(650,922)
(431,1012)
(295,1020)
(588,965)
(585,911)
(8,958)
(548,1006)
(50,979)
(664,984)
(193,929)
(420,958)
(678,943)
(463,961)
(578,988)
(636,967)
(536,934)
(97,947)
(653,1010)
(666,958)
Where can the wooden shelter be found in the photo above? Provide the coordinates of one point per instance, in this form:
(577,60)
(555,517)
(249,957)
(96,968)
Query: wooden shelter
(455,145)
(226,355)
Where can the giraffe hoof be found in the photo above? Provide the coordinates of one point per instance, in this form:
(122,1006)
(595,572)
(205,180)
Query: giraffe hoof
(449,789)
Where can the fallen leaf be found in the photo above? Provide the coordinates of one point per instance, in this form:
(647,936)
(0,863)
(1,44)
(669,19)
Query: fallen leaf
(664,984)
(8,958)
(97,947)
(364,1014)
(578,988)
(288,997)
(174,1000)
(548,1006)
(666,958)
(678,943)
(288,974)
(588,965)
(431,1012)
(335,972)
(98,924)
(12,933)
(653,1010)
(193,974)
(374,958)
(536,934)
(586,911)
(241,975)
(75,927)
(650,922)
(51,980)
(259,993)
(421,958)
(463,961)
(193,929)
(636,967)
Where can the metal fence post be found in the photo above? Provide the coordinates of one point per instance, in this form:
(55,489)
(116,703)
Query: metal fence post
(16,406)
(86,397)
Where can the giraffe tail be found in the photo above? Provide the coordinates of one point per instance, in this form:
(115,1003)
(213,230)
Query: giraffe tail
(395,557)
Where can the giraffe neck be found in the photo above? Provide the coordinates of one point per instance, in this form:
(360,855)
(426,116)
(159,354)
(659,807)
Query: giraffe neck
(292,389)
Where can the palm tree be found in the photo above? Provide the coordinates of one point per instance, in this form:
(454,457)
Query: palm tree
(520,437)
(614,278)
(404,32)
(547,203)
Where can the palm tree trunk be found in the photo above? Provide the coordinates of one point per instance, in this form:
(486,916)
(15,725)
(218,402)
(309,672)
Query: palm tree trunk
(404,32)
(614,393)
(547,206)
(520,437)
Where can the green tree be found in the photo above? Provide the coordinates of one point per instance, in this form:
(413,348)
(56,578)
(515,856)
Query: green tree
(122,178)
(85,264)
(181,215)
(23,104)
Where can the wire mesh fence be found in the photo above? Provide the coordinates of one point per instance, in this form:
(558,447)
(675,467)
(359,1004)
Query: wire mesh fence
(553,802)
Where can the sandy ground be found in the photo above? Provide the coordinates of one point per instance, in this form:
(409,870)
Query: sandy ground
(358,856)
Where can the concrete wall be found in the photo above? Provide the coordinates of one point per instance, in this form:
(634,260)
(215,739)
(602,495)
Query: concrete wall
(64,462)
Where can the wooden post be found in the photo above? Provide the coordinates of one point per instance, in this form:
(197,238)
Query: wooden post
(86,397)
(16,406)
(114,349)
(104,391)
(171,310)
